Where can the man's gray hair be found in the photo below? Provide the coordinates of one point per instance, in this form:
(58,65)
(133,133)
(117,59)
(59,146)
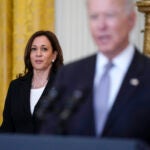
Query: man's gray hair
(130,5)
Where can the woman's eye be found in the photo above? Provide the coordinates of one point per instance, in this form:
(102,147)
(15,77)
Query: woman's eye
(44,49)
(33,49)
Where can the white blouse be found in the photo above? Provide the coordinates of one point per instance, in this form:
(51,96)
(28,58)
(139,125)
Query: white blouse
(35,95)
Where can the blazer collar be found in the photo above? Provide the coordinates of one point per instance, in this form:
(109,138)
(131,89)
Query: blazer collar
(45,92)
(26,87)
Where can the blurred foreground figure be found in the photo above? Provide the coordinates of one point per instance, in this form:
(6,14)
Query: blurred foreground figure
(114,83)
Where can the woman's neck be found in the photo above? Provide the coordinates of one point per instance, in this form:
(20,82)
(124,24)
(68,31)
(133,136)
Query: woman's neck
(40,78)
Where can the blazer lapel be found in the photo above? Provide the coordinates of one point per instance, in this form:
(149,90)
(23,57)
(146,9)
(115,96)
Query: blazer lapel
(45,92)
(130,83)
(26,86)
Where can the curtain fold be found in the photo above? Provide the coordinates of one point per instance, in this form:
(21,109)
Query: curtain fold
(19,19)
(5,48)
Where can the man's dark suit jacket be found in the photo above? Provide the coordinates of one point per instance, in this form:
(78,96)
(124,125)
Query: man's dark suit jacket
(17,117)
(130,114)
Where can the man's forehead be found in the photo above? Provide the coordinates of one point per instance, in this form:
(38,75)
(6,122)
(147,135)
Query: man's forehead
(107,4)
(121,2)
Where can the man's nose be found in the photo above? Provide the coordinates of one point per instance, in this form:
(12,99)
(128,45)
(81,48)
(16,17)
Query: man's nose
(102,23)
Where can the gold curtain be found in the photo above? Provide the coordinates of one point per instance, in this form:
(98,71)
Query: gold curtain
(19,19)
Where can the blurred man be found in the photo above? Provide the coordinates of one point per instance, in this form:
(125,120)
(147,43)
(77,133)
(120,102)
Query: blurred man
(115,101)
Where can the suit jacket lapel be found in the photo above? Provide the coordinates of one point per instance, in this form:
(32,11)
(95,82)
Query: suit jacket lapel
(85,115)
(90,80)
(128,87)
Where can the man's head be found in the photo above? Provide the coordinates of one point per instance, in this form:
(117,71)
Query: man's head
(110,23)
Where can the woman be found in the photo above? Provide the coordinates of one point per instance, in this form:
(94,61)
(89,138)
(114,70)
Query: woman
(43,57)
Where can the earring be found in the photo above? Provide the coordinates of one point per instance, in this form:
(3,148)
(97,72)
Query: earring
(53,60)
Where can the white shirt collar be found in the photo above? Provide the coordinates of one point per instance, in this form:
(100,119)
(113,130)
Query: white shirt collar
(122,61)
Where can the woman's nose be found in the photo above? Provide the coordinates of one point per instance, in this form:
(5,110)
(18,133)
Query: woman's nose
(38,52)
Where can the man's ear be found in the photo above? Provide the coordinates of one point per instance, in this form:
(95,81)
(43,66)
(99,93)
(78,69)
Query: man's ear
(132,19)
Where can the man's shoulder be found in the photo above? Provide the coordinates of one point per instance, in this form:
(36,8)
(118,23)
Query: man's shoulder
(77,70)
(83,62)
(145,59)
(141,63)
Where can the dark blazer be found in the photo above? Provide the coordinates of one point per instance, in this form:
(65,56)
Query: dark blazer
(130,114)
(17,117)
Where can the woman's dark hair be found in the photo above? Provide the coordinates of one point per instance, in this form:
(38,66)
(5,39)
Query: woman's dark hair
(55,47)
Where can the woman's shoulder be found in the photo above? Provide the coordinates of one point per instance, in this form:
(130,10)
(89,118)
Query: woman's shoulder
(20,79)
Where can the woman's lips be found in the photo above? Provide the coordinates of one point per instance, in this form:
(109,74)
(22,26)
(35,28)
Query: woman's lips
(38,61)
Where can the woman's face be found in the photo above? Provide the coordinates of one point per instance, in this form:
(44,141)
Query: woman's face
(42,54)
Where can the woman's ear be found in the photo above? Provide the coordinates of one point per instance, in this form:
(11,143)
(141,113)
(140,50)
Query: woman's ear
(54,56)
